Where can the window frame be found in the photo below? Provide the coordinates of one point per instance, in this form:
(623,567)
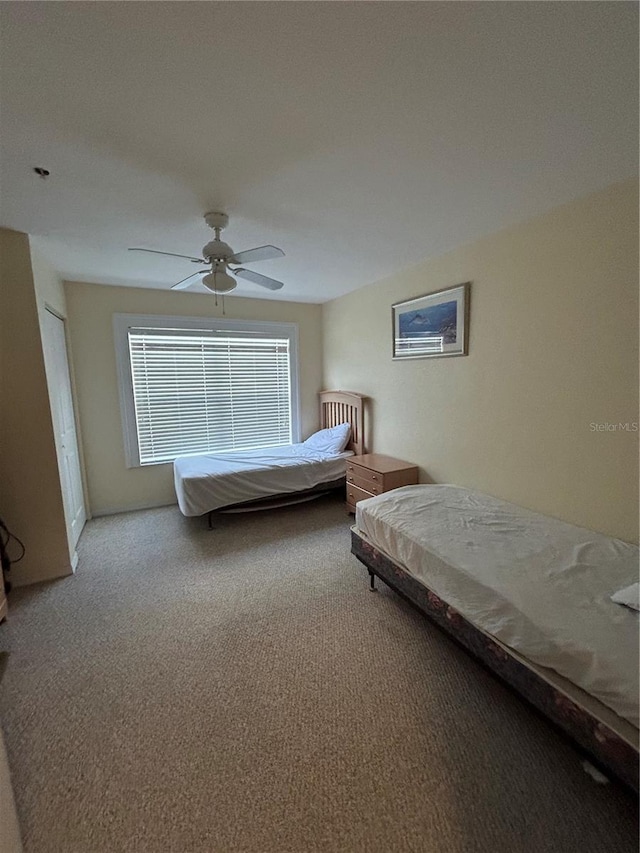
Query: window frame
(122,323)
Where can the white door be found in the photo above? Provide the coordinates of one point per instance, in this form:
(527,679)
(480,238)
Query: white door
(64,425)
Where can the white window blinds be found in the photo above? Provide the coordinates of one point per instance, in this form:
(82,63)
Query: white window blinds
(196,391)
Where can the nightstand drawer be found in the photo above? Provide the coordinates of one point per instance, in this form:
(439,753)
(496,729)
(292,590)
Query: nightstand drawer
(368,483)
(365,478)
(354,494)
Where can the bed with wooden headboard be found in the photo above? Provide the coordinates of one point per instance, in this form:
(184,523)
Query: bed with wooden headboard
(254,479)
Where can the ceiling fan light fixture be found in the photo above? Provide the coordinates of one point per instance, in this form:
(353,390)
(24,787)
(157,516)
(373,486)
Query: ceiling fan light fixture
(219,281)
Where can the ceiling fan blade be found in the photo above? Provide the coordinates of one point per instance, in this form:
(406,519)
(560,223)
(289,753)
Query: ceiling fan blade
(256,278)
(186,282)
(170,254)
(262,253)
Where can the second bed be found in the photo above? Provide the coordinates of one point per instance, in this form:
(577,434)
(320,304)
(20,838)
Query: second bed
(529,595)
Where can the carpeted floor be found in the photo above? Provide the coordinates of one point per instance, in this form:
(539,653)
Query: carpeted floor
(241,690)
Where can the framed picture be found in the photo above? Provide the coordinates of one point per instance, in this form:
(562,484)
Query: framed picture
(433,325)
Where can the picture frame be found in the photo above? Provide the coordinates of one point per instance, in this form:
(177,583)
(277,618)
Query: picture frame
(435,325)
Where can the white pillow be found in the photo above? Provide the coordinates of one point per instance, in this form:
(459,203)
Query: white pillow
(332,440)
(629,596)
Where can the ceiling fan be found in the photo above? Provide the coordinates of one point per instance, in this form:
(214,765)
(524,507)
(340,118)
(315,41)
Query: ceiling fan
(219,256)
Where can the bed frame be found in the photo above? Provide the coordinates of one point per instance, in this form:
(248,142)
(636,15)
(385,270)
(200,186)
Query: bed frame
(336,407)
(604,747)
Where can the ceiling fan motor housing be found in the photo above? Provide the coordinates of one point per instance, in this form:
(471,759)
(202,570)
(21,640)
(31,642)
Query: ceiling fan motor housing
(216,250)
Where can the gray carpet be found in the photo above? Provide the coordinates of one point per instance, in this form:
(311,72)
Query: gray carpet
(241,690)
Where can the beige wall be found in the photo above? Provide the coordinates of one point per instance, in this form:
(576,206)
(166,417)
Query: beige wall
(111,485)
(553,349)
(30,496)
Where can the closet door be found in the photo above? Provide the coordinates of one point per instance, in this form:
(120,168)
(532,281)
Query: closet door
(64,425)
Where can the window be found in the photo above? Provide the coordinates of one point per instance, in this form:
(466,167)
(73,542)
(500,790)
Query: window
(190,385)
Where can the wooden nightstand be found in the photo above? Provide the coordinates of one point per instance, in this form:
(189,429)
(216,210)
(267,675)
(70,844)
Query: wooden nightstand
(375,473)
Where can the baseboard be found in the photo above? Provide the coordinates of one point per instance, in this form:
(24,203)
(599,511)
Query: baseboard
(98,513)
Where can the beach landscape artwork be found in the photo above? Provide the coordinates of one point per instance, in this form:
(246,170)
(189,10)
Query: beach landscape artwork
(432,325)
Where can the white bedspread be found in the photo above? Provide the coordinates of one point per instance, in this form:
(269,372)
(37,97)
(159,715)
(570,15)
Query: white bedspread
(539,585)
(216,480)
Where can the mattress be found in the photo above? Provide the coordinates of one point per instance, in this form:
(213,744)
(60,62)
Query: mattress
(540,586)
(212,481)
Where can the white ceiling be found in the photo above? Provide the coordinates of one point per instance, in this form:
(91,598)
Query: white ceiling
(359,137)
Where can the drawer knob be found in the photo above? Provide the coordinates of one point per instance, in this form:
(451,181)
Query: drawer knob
(373,477)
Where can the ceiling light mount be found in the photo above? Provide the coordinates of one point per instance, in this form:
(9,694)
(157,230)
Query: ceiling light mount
(215,220)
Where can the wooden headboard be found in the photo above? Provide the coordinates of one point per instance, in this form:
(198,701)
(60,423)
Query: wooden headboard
(340,407)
